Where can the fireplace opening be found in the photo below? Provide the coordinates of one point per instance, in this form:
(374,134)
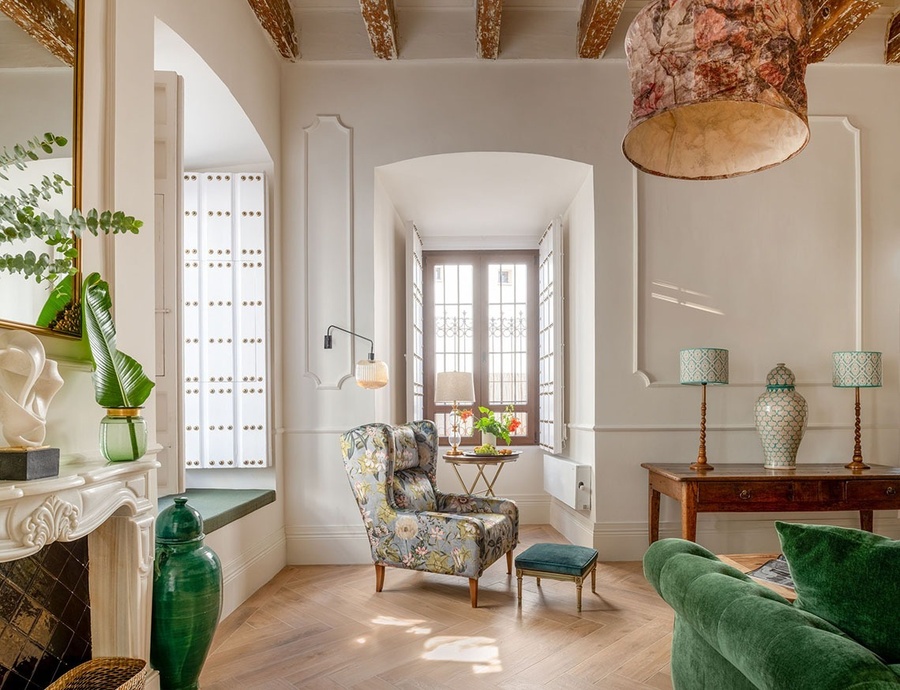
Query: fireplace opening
(45,615)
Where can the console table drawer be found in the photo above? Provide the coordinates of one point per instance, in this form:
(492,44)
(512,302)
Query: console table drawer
(873,489)
(749,492)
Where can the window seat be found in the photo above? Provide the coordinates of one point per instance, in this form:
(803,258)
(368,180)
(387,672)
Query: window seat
(218,507)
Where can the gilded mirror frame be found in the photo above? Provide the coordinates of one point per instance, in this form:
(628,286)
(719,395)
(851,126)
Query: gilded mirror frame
(70,317)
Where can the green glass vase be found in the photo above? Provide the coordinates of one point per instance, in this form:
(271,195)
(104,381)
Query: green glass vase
(187,597)
(123,434)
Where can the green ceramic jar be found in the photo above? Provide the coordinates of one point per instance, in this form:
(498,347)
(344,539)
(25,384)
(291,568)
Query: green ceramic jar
(187,597)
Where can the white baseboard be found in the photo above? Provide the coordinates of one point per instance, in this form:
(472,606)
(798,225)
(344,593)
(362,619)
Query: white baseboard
(251,569)
(574,525)
(349,545)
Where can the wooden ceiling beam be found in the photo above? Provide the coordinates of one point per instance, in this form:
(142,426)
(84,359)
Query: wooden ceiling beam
(833,22)
(892,40)
(381,23)
(50,22)
(277,19)
(598,20)
(487,28)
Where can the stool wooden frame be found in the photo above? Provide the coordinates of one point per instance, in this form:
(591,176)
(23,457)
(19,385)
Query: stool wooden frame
(577,579)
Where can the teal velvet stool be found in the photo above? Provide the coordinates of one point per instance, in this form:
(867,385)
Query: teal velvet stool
(558,562)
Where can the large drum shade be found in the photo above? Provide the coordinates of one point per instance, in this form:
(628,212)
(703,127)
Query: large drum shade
(718,86)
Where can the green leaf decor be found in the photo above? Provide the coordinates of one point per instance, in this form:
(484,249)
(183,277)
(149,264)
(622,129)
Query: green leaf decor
(119,381)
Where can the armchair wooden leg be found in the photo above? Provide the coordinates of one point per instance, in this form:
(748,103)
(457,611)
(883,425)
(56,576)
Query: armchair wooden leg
(509,562)
(379,577)
(473,591)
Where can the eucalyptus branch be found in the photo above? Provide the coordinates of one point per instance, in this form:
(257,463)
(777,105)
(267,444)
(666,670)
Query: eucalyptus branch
(21,219)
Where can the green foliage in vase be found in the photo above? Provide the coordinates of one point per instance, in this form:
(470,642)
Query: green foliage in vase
(504,427)
(21,219)
(119,381)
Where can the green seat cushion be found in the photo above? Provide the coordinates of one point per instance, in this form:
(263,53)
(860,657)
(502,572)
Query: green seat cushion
(849,578)
(564,559)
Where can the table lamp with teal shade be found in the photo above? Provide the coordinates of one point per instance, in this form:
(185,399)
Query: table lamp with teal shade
(856,369)
(701,366)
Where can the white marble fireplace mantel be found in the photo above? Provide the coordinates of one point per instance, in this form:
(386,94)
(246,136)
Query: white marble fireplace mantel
(114,505)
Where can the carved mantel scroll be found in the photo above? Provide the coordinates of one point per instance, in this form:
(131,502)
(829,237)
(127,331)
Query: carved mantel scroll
(54,520)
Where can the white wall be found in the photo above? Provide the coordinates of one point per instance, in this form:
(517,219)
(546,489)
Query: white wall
(578,110)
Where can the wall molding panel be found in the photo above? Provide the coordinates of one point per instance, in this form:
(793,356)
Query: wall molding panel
(761,291)
(328,235)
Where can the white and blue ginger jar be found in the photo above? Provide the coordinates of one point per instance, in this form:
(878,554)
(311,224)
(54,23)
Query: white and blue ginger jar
(781,414)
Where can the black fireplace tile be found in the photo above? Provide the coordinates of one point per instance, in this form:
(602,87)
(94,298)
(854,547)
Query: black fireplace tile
(11,643)
(43,629)
(59,641)
(28,660)
(55,560)
(44,674)
(10,596)
(15,681)
(79,648)
(71,573)
(26,614)
(73,611)
(22,572)
(82,590)
(41,586)
(59,597)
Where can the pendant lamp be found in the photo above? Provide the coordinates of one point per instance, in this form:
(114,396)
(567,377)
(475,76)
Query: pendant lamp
(718,86)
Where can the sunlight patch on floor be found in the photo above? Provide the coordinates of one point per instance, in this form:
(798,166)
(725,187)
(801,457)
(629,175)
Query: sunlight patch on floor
(482,652)
(413,626)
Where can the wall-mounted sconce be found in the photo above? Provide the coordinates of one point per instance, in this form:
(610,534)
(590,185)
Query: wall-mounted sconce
(370,372)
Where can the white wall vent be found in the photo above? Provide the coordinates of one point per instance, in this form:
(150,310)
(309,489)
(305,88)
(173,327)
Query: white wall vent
(568,481)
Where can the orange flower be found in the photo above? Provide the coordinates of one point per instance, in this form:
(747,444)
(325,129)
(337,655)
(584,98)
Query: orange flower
(514,424)
(465,414)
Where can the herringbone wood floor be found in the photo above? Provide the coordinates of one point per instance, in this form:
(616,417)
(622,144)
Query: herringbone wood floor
(325,627)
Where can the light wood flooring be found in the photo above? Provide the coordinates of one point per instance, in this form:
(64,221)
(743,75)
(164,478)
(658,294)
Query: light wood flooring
(325,627)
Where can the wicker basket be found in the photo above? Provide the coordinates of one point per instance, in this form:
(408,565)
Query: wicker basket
(104,673)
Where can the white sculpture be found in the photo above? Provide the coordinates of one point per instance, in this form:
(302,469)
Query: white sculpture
(28,382)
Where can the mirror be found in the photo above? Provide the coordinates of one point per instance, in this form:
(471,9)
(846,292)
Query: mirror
(40,79)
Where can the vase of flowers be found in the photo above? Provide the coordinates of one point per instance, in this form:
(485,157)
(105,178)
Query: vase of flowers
(503,427)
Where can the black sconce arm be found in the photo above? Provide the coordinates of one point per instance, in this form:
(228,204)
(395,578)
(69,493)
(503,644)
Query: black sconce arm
(328,342)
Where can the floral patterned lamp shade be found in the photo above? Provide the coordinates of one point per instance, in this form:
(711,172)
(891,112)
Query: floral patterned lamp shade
(701,366)
(856,369)
(718,86)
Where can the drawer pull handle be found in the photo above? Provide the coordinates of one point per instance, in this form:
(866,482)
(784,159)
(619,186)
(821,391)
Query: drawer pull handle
(890,491)
(745,494)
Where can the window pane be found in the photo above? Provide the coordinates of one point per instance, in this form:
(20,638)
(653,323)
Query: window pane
(453,326)
(507,334)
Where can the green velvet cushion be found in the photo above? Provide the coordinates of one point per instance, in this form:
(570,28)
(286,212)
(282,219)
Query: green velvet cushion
(849,578)
(565,559)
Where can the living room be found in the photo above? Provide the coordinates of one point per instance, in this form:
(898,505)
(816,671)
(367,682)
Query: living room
(785,265)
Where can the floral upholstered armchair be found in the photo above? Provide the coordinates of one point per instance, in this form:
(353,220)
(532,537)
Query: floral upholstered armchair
(409,522)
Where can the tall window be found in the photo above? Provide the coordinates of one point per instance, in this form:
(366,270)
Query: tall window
(481,316)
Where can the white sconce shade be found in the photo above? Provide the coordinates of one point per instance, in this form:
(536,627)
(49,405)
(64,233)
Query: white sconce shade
(371,373)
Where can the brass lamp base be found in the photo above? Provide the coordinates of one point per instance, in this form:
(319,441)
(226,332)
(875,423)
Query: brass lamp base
(701,463)
(454,451)
(857,462)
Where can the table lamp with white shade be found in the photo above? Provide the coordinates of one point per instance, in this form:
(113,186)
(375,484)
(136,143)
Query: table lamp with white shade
(701,366)
(856,369)
(454,387)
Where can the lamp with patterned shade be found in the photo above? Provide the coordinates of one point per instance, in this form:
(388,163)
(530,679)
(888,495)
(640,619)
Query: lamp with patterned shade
(701,366)
(856,369)
(718,88)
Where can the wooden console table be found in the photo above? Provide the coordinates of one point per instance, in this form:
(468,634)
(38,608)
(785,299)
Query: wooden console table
(752,488)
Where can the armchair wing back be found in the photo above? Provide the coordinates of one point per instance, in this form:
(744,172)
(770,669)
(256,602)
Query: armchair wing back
(410,524)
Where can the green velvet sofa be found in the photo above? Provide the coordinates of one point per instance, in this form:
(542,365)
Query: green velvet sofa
(732,633)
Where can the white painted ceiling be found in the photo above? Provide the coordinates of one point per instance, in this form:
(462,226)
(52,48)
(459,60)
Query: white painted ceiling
(218,135)
(460,195)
